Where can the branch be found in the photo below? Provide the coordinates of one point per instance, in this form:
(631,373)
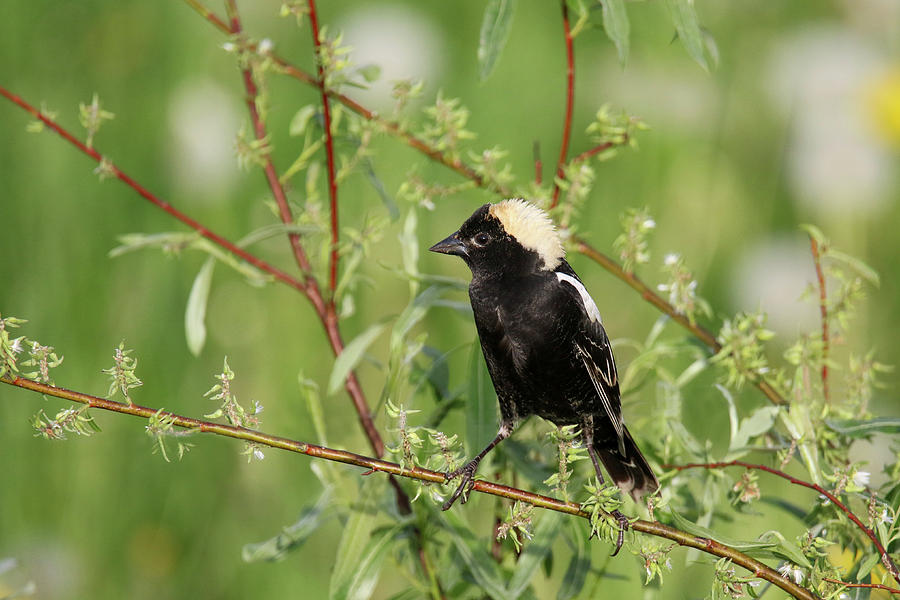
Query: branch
(329,149)
(823,308)
(570,102)
(873,586)
(653,528)
(259,131)
(885,557)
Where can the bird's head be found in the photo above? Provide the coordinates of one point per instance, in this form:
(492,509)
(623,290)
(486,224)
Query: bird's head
(511,236)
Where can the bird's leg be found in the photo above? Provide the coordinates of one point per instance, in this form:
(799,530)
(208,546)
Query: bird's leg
(588,433)
(468,470)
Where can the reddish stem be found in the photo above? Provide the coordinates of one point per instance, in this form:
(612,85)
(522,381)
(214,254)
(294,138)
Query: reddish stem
(823,309)
(329,152)
(570,101)
(885,557)
(597,150)
(113,170)
(874,586)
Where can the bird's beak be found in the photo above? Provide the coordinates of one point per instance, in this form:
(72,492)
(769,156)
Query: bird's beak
(450,245)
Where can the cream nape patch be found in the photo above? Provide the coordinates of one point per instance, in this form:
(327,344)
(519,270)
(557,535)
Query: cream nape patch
(532,227)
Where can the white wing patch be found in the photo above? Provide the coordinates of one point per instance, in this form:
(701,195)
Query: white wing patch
(589,306)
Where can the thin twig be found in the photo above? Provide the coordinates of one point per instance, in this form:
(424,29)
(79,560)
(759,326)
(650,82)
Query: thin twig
(823,309)
(653,528)
(570,102)
(111,169)
(700,332)
(873,586)
(885,557)
(538,164)
(259,132)
(329,150)
(598,149)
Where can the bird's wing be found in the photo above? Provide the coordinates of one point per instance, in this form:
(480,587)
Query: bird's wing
(594,350)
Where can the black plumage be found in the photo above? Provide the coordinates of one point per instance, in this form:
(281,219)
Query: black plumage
(542,338)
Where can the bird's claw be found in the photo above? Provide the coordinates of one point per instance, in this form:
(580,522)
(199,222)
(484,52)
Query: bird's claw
(465,486)
(623,525)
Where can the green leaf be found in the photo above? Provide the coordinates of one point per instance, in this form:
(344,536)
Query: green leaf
(361,549)
(576,573)
(857,428)
(867,564)
(617,27)
(495,28)
(799,425)
(786,550)
(301,120)
(409,249)
(476,558)
(536,551)
(412,314)
(684,18)
(370,72)
(352,354)
(293,536)
(481,408)
(756,424)
(857,265)
(195,313)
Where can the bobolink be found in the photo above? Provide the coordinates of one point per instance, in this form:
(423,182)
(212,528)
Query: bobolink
(543,341)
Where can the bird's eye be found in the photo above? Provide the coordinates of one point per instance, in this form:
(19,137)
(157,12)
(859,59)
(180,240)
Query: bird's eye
(481,239)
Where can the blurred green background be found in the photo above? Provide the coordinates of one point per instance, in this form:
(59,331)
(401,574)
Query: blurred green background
(799,123)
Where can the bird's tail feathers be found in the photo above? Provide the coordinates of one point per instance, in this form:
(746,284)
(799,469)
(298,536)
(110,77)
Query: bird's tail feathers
(629,470)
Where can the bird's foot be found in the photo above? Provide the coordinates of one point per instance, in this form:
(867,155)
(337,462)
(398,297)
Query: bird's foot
(622,520)
(623,525)
(465,485)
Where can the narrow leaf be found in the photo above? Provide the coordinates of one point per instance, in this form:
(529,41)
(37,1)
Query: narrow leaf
(684,18)
(352,354)
(495,28)
(617,27)
(355,542)
(855,428)
(195,313)
(481,407)
(576,573)
(536,551)
(756,424)
(867,564)
(476,558)
(292,537)
(362,580)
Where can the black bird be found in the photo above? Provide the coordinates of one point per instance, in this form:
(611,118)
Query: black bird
(543,341)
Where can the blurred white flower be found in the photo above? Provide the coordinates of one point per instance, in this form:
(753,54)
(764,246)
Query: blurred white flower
(861,478)
(203,119)
(791,571)
(772,274)
(265,46)
(399,39)
(822,78)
